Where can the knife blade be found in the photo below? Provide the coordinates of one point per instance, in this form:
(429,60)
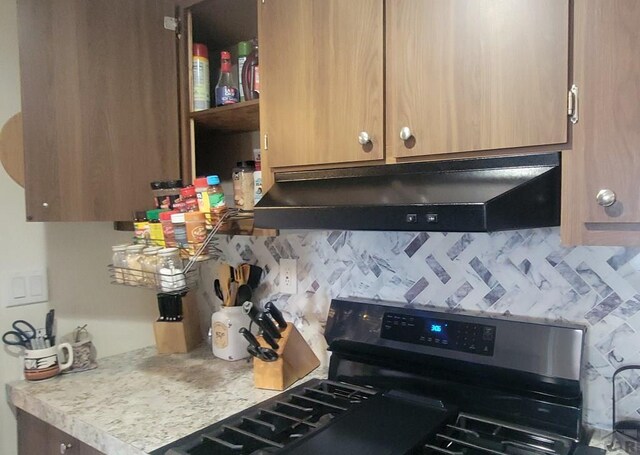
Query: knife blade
(275,313)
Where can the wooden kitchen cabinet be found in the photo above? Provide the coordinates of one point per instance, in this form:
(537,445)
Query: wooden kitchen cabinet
(606,139)
(473,75)
(36,437)
(100,106)
(321,69)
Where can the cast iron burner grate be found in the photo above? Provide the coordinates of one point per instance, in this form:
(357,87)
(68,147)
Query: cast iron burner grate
(472,435)
(271,428)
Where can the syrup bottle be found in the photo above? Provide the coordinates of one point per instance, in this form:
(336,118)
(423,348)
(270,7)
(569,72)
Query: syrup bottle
(226,90)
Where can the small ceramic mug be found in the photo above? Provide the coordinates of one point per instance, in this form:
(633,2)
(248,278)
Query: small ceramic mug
(46,363)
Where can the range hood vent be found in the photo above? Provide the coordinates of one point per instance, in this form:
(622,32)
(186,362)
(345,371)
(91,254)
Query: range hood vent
(467,195)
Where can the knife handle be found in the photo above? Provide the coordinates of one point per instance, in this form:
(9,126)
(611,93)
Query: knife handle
(275,313)
(267,325)
(249,337)
(270,341)
(250,309)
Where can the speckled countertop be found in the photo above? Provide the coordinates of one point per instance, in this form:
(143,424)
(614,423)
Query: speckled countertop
(136,402)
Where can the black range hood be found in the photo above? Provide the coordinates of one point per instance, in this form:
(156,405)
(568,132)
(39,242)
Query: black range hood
(467,195)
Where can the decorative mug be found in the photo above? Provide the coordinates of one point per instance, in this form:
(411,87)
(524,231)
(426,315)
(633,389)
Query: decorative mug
(46,363)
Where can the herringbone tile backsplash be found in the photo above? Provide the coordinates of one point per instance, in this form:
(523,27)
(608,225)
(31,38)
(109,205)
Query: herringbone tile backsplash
(524,273)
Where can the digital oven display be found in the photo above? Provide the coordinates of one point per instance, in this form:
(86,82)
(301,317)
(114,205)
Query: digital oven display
(439,333)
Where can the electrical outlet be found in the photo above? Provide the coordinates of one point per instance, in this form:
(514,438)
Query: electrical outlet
(288,276)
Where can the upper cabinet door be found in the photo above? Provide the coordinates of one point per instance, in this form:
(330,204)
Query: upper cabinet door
(100,106)
(321,69)
(468,75)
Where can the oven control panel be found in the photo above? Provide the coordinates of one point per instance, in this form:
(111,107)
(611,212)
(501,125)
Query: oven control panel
(439,333)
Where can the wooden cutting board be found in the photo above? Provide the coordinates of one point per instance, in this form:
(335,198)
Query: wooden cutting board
(11,148)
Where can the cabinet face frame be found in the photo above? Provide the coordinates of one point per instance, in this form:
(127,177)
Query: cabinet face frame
(487,92)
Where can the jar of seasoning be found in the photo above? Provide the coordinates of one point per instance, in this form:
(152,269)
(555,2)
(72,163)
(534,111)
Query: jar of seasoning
(242,176)
(169,270)
(202,196)
(171,193)
(188,196)
(156,190)
(133,273)
(179,230)
(167,228)
(149,262)
(216,198)
(156,236)
(140,227)
(196,232)
(119,262)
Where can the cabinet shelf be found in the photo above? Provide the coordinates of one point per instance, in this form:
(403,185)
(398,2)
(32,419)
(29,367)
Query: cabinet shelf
(235,118)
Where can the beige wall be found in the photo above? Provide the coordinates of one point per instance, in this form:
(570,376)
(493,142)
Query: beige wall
(75,255)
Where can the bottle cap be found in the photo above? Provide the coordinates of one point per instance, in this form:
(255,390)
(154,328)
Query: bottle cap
(200,182)
(135,248)
(213,180)
(119,247)
(225,55)
(166,216)
(167,251)
(188,192)
(154,215)
(151,250)
(200,50)
(140,215)
(194,216)
(244,48)
(177,218)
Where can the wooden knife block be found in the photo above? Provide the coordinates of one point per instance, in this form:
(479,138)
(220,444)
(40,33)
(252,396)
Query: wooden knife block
(180,336)
(295,361)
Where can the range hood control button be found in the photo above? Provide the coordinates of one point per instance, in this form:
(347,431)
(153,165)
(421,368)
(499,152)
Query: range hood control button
(432,217)
(412,218)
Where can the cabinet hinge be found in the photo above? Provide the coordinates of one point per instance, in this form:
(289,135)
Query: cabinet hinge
(173,24)
(572,104)
(266,141)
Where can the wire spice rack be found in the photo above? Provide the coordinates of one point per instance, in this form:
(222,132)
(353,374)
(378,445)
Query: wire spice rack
(179,281)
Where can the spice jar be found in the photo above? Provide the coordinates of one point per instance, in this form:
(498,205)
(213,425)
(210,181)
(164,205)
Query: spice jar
(140,227)
(202,196)
(188,196)
(171,193)
(119,262)
(156,235)
(149,262)
(179,230)
(170,271)
(167,228)
(133,272)
(156,190)
(243,184)
(196,232)
(216,198)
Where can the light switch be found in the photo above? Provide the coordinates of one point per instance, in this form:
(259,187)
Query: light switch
(18,288)
(25,287)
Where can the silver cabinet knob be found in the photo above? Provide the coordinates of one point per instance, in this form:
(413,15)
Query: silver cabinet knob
(405,133)
(606,197)
(364,138)
(64,447)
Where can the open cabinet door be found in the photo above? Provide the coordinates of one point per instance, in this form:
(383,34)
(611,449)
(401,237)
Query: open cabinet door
(100,106)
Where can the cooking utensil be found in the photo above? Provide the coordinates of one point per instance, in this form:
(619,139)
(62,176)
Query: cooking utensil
(275,313)
(250,309)
(246,272)
(267,325)
(237,275)
(254,276)
(244,294)
(225,275)
(23,334)
(218,290)
(48,324)
(231,296)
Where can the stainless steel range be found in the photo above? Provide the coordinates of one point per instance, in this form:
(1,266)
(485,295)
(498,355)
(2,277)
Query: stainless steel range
(403,380)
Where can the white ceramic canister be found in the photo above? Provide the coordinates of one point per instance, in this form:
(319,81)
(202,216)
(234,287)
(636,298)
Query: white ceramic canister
(226,341)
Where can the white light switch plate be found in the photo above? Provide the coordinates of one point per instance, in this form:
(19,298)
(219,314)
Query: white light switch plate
(26,287)
(288,276)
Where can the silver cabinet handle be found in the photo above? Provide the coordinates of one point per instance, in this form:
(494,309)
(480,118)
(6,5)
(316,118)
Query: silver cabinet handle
(606,197)
(364,138)
(64,447)
(405,133)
